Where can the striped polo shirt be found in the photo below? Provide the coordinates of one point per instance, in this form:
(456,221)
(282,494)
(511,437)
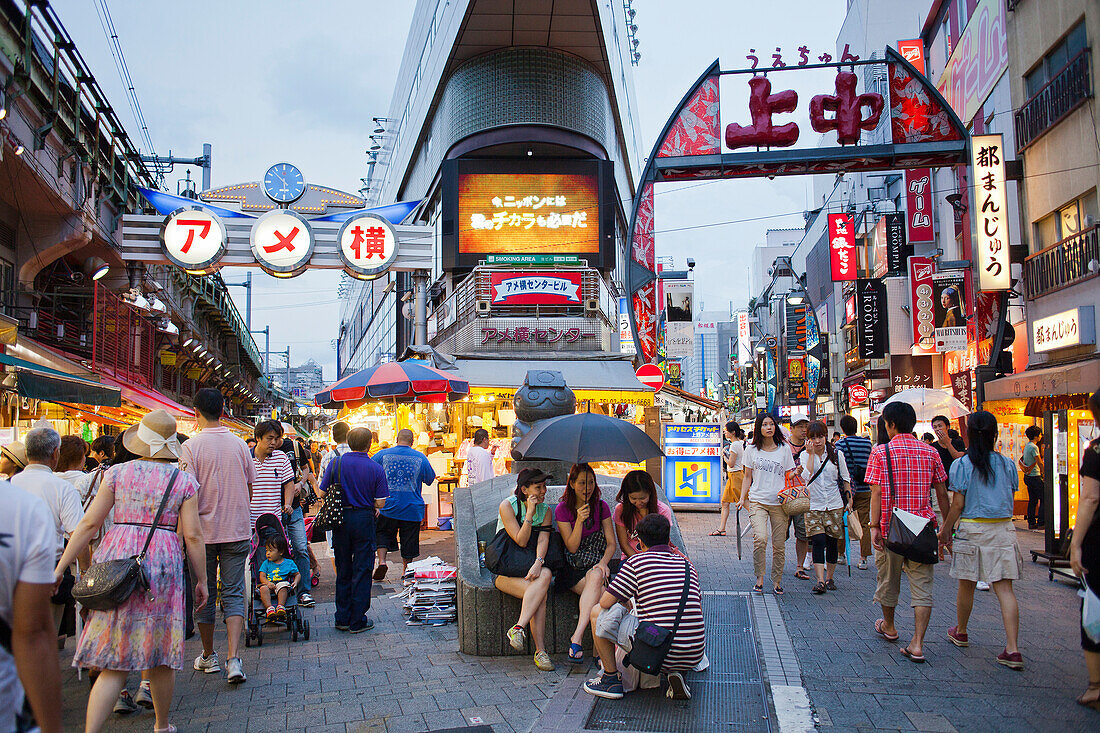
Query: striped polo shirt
(267,489)
(856,451)
(654,580)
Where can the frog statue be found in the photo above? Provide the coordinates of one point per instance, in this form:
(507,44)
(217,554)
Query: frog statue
(543,395)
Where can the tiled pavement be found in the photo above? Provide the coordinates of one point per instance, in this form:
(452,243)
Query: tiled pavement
(401,678)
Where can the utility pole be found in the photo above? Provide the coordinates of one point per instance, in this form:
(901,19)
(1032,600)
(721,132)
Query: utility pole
(266,331)
(247,285)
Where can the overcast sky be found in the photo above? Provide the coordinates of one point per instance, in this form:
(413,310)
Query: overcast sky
(279,80)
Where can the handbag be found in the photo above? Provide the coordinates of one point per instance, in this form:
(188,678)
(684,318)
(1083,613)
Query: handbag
(794,497)
(107,585)
(331,514)
(503,556)
(589,553)
(652,642)
(910,535)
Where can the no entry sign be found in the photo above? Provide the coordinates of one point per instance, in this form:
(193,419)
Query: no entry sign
(651,376)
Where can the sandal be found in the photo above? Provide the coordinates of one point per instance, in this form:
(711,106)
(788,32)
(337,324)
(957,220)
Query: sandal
(918,658)
(758,588)
(170,729)
(1093,703)
(718,533)
(830,585)
(879,624)
(819,588)
(779,590)
(801,574)
(576,654)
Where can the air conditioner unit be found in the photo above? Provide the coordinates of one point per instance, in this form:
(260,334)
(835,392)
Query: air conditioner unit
(482,307)
(591,305)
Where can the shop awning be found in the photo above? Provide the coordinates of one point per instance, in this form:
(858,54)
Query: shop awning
(150,399)
(600,380)
(42,383)
(676,393)
(1051,381)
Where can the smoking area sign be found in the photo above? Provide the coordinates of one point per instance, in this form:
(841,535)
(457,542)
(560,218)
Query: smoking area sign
(693,464)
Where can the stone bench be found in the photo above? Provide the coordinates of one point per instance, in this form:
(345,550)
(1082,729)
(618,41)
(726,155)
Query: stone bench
(484,613)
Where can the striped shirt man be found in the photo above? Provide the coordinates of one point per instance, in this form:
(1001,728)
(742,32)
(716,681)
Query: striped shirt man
(654,580)
(272,475)
(856,450)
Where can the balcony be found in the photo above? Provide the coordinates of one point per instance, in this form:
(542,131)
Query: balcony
(1063,264)
(1061,95)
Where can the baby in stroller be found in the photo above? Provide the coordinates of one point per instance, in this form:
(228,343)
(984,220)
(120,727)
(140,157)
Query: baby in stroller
(275,583)
(278,575)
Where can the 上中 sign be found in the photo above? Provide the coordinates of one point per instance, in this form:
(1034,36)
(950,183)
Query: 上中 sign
(842,247)
(367,244)
(991,212)
(535,288)
(918,204)
(871,318)
(193,239)
(282,242)
(949,303)
(898,249)
(626,336)
(651,376)
(1068,328)
(693,463)
(920,303)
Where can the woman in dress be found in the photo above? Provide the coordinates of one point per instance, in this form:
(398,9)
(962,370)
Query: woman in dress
(766,463)
(146,631)
(584,521)
(828,481)
(637,499)
(983,484)
(1084,550)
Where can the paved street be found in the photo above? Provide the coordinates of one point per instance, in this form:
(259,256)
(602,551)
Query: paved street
(401,678)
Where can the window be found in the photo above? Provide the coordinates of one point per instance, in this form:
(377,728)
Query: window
(7,288)
(1063,52)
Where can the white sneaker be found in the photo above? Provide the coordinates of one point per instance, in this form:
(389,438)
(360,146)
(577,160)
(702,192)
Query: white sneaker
(982,585)
(677,688)
(234,670)
(862,565)
(144,696)
(808,563)
(208,665)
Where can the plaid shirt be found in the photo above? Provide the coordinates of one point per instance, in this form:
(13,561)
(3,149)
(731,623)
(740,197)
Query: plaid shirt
(915,466)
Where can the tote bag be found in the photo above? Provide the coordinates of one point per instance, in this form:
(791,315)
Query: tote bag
(911,535)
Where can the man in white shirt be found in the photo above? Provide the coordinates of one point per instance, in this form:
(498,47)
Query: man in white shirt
(479,461)
(43,447)
(30,676)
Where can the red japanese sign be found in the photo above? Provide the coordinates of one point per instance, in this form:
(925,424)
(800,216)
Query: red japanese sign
(918,204)
(921,305)
(913,52)
(842,247)
(857,395)
(535,288)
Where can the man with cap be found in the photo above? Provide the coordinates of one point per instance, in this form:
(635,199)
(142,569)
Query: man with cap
(797,441)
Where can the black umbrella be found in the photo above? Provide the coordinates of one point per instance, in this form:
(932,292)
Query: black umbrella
(587,437)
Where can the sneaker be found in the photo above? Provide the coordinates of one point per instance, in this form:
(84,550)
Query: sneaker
(280,612)
(608,686)
(306,600)
(234,670)
(144,696)
(961,640)
(125,704)
(359,628)
(1013,661)
(270,613)
(341,627)
(841,560)
(516,637)
(542,661)
(808,563)
(677,688)
(208,665)
(862,564)
(982,585)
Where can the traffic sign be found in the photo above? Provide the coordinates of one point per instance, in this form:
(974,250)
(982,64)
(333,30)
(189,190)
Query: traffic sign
(651,376)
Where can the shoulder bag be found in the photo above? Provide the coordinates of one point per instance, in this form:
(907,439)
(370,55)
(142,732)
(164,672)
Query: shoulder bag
(589,552)
(109,584)
(331,514)
(652,642)
(910,535)
(794,497)
(504,556)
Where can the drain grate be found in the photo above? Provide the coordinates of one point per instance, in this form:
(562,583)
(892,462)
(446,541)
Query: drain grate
(729,696)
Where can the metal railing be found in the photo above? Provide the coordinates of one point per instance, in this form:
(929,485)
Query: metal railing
(211,289)
(1056,99)
(1063,264)
(123,340)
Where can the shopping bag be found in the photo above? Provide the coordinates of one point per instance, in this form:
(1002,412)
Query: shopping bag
(794,496)
(1090,613)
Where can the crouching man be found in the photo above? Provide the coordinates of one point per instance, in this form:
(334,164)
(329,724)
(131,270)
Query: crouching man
(653,580)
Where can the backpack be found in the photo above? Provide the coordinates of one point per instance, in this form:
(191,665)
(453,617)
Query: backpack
(857,471)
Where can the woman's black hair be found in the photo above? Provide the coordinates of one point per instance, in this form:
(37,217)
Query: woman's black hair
(981,428)
(818,429)
(758,434)
(122,454)
(636,482)
(569,496)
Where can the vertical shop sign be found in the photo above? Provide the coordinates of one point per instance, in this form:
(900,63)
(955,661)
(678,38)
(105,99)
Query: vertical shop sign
(871,312)
(679,339)
(897,247)
(842,247)
(744,345)
(796,325)
(962,387)
(693,463)
(991,212)
(626,338)
(949,302)
(797,386)
(913,52)
(918,204)
(921,306)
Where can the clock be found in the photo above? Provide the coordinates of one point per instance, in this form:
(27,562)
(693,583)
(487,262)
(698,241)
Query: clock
(283,183)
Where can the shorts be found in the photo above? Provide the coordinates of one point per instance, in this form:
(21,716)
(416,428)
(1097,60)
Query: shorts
(732,489)
(617,624)
(985,551)
(387,530)
(799,523)
(824,521)
(283,584)
(228,559)
(890,565)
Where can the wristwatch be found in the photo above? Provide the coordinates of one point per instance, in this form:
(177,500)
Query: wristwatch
(541,559)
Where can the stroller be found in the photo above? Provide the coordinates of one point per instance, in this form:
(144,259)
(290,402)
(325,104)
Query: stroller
(268,525)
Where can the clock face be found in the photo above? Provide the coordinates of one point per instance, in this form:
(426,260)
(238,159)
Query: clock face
(284,183)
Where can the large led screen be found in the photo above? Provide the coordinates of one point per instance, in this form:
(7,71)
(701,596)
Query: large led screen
(519,208)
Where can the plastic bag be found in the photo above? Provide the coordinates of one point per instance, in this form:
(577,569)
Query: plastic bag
(1090,613)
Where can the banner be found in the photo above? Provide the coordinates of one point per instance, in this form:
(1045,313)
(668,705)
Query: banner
(693,463)
(796,325)
(977,61)
(918,204)
(679,300)
(842,247)
(920,304)
(949,303)
(898,249)
(535,288)
(744,339)
(626,336)
(679,339)
(910,372)
(962,387)
(991,212)
(797,387)
(871,327)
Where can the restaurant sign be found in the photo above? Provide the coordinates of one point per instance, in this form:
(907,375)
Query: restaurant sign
(842,247)
(991,212)
(535,288)
(1074,327)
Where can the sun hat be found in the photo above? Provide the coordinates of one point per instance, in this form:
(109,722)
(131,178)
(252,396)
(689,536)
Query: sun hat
(153,437)
(16,453)
(530,476)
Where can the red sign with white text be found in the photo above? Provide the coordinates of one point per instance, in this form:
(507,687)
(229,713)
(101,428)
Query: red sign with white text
(857,395)
(921,306)
(913,52)
(535,288)
(842,247)
(918,205)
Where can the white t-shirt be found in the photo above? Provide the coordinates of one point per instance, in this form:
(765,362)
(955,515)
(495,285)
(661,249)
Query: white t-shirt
(61,497)
(769,472)
(735,455)
(479,465)
(27,555)
(824,490)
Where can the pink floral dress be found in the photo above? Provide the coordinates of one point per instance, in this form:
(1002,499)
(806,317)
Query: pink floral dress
(147,630)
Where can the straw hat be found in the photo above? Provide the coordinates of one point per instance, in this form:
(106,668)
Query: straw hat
(16,453)
(153,437)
